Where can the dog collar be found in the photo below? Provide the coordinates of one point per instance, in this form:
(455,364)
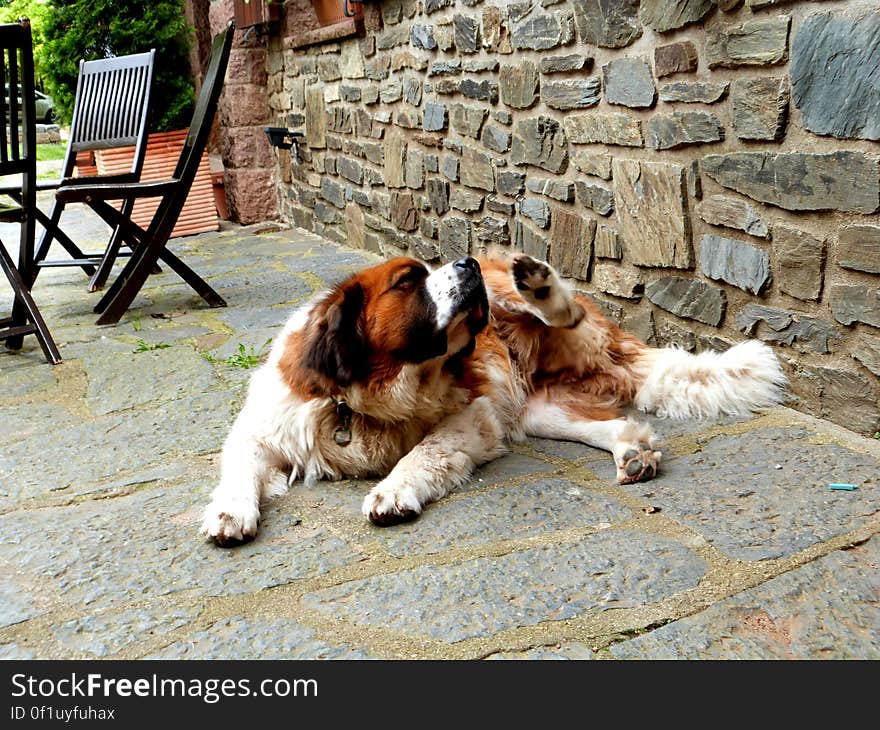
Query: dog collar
(342,435)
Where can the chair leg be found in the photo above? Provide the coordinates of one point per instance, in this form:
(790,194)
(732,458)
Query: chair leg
(24,300)
(107,261)
(52,231)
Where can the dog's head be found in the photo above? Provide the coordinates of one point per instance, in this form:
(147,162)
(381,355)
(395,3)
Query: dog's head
(395,313)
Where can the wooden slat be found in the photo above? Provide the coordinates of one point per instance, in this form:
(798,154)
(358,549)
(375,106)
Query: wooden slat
(199,213)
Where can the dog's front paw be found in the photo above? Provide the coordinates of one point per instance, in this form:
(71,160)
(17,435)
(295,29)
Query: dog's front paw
(638,463)
(539,285)
(387,505)
(230,522)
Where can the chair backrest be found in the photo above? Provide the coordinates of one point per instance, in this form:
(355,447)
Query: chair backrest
(18,134)
(197,135)
(111,107)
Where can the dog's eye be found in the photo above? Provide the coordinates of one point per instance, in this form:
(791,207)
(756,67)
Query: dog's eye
(408,279)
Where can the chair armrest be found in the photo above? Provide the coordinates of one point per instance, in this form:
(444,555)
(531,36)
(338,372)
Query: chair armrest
(122,177)
(130,191)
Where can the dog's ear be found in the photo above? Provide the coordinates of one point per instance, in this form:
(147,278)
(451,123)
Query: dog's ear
(336,347)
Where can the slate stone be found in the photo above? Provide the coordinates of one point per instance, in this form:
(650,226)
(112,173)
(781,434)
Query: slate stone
(531,242)
(619,280)
(594,127)
(395,157)
(607,23)
(665,15)
(678,129)
(518,84)
(760,107)
(675,58)
(859,248)
(511,182)
(757,42)
(741,264)
(397,35)
(248,638)
(425,249)
(850,304)
(539,141)
(595,196)
(562,64)
(606,244)
(571,251)
(445,68)
(556,189)
(466,120)
(537,210)
(466,31)
(800,261)
(432,6)
(464,200)
(629,82)
(541,31)
(422,36)
(428,227)
(653,218)
(477,170)
(391,90)
(477,65)
(495,138)
(688,298)
(540,506)
(721,210)
(434,118)
(490,231)
(350,93)
(449,168)
(590,163)
(670,334)
(614,568)
(404,214)
(843,396)
(785,327)
(834,73)
(495,31)
(316,122)
(438,195)
(847,181)
(695,92)
(503,116)
(867,352)
(485,90)
(571,93)
(826,608)
(412,91)
(496,205)
(72,561)
(445,86)
(351,170)
(454,237)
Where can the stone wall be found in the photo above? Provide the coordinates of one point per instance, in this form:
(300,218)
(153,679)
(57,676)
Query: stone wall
(705,169)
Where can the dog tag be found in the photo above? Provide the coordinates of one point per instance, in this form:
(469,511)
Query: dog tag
(342,436)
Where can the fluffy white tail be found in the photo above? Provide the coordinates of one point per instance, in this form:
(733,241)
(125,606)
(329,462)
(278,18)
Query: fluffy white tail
(680,385)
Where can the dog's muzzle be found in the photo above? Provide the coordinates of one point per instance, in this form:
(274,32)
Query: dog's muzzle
(458,287)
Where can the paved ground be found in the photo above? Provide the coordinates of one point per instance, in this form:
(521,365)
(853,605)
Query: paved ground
(106,459)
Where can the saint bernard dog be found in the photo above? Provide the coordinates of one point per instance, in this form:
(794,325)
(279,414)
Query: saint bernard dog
(417,376)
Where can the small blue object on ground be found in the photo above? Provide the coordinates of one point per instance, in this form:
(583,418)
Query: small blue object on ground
(843,487)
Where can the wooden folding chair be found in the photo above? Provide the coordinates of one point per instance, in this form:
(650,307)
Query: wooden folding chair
(110,110)
(18,156)
(150,245)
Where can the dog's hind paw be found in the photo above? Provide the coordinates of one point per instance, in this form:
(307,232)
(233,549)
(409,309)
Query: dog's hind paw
(230,523)
(540,286)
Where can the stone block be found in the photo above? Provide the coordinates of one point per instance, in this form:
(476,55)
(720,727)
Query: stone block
(511,182)
(477,170)
(571,244)
(467,120)
(786,327)
(490,231)
(652,214)
(531,242)
(495,138)
(851,304)
(536,209)
(607,23)
(834,72)
(629,82)
(540,141)
(859,248)
(606,244)
(434,117)
(594,127)
(563,64)
(757,42)
(721,210)
(867,352)
(594,196)
(395,157)
(738,263)
(760,107)
(316,118)
(619,280)
(556,189)
(454,238)
(571,93)
(540,31)
(800,262)
(465,200)
(466,33)
(679,129)
(688,298)
(675,58)
(438,195)
(847,181)
(591,163)
(486,90)
(666,15)
(518,84)
(695,92)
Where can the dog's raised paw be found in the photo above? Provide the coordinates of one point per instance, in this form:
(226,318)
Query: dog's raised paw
(230,525)
(532,276)
(638,464)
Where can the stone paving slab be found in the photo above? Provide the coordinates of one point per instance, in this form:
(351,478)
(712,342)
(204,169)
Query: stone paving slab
(107,459)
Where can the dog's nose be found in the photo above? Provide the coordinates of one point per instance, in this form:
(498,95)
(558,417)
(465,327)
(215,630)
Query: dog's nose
(468,263)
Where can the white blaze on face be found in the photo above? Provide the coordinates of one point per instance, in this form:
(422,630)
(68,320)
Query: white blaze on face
(444,288)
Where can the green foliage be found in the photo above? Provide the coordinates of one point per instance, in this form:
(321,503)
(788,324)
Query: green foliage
(245,357)
(144,346)
(36,10)
(89,29)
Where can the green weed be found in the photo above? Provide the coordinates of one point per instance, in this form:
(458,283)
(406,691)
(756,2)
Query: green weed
(144,346)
